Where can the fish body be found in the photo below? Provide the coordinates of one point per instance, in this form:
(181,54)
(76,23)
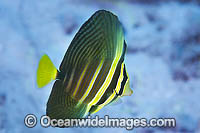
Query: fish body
(92,73)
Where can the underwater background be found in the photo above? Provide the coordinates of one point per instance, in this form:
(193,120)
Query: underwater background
(163,59)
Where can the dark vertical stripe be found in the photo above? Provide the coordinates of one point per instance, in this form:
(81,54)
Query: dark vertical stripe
(86,80)
(115,78)
(99,81)
(112,85)
(123,81)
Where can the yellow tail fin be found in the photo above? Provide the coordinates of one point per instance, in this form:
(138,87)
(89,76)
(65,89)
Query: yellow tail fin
(46,71)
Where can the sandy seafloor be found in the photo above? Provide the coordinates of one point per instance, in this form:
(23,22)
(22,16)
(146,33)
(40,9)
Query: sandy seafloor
(162,60)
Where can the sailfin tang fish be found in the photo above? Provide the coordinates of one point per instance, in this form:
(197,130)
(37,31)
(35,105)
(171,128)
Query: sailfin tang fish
(92,73)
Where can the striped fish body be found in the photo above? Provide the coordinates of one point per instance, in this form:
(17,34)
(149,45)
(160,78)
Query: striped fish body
(92,73)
